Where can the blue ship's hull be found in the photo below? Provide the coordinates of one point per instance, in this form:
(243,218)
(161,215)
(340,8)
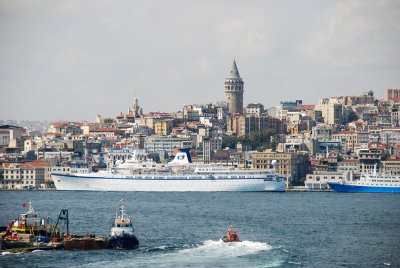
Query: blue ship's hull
(337,187)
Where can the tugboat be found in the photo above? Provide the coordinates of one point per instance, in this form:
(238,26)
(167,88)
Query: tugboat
(122,231)
(231,236)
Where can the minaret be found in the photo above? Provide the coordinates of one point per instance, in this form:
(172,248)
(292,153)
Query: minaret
(234,90)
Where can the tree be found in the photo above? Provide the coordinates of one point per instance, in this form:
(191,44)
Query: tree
(229,141)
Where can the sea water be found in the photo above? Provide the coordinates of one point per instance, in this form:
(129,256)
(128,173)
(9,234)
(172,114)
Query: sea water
(303,229)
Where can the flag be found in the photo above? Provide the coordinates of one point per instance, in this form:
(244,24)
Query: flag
(25,205)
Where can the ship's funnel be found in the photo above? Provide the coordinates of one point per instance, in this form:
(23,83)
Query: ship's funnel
(182,158)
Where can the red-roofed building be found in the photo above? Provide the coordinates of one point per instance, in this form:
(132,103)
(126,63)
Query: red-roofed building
(34,174)
(107,132)
(348,165)
(391,165)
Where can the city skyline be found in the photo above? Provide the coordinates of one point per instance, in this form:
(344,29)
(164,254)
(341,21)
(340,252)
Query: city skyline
(72,60)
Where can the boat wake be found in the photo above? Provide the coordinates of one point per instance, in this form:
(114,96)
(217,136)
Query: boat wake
(207,254)
(4,253)
(220,248)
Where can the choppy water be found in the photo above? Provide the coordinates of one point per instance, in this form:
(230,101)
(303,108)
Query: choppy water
(183,229)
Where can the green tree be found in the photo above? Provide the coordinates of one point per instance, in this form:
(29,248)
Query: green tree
(229,141)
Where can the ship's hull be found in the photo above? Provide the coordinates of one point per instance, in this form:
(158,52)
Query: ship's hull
(125,241)
(165,184)
(348,188)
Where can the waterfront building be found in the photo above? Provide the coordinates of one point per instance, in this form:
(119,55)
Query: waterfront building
(348,165)
(369,159)
(319,180)
(292,165)
(234,90)
(23,176)
(391,165)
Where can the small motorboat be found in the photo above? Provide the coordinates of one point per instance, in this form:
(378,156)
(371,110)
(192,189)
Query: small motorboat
(231,236)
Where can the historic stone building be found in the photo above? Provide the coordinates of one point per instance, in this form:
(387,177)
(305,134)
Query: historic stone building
(234,90)
(291,165)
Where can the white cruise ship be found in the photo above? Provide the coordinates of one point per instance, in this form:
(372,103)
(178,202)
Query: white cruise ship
(139,174)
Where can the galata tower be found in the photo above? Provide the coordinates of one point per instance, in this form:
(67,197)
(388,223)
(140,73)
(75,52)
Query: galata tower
(234,90)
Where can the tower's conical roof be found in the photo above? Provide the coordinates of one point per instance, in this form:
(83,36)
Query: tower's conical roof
(234,72)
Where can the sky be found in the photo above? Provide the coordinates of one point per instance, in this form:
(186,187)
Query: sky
(72,60)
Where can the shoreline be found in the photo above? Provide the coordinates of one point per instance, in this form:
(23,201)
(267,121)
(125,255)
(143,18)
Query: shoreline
(296,189)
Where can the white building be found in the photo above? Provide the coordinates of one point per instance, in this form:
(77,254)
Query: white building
(331,110)
(157,144)
(255,108)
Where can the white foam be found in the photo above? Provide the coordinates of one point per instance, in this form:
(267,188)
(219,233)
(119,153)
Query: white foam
(219,247)
(215,250)
(9,253)
(206,254)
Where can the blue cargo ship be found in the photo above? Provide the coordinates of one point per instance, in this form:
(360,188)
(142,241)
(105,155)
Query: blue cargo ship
(369,183)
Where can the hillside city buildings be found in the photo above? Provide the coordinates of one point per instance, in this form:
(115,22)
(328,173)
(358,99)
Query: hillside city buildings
(339,137)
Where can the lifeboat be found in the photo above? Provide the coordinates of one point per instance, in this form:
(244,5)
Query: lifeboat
(231,236)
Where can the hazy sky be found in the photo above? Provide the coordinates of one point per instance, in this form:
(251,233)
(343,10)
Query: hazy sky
(74,59)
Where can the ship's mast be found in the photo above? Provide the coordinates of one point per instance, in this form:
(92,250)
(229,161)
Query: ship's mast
(31,210)
(122,209)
